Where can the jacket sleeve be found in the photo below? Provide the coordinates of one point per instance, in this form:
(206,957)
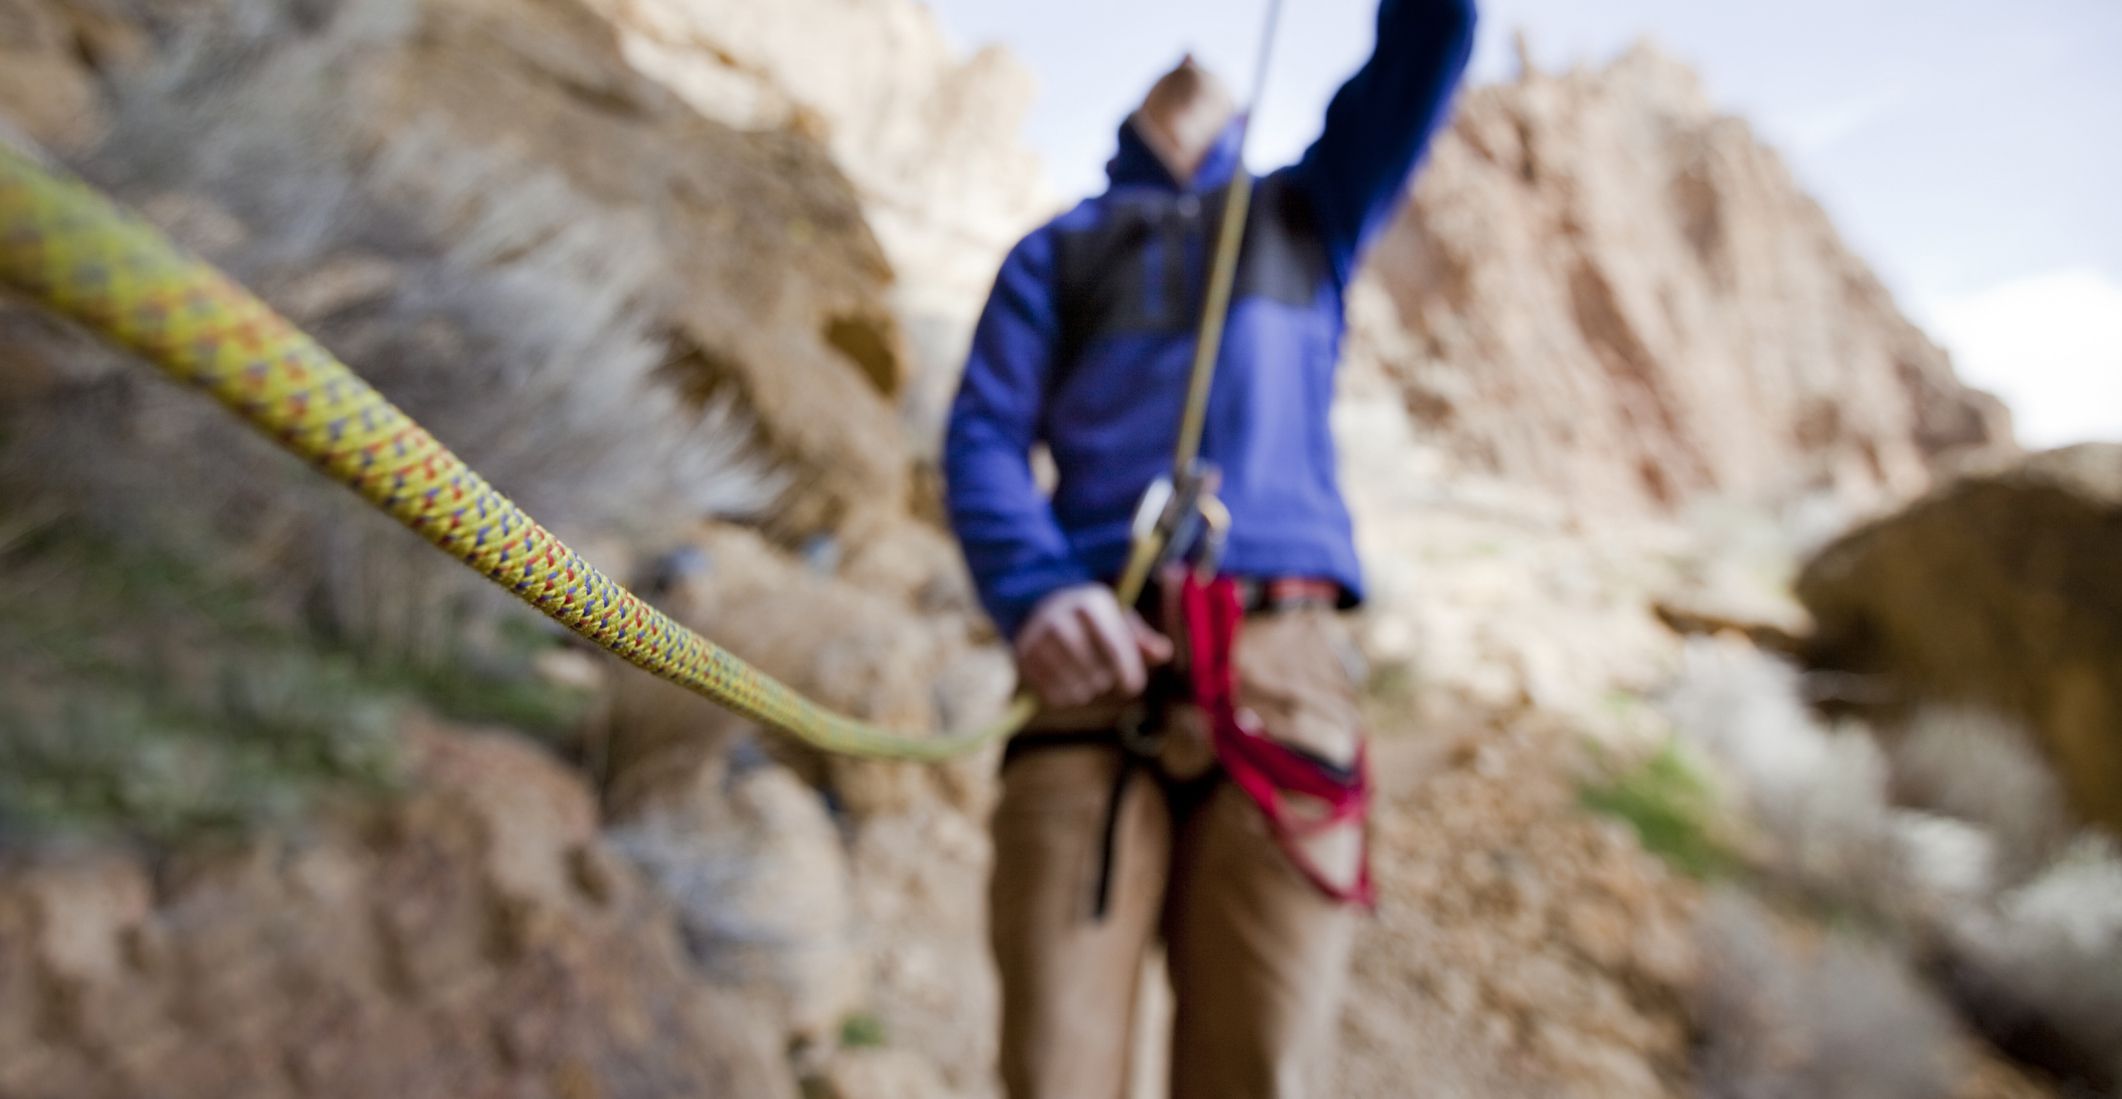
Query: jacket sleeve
(1380,122)
(1015,549)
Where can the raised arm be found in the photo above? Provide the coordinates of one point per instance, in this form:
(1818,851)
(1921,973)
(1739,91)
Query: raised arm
(1016,551)
(1381,120)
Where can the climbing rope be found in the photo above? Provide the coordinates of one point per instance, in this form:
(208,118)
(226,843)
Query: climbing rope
(1223,276)
(68,249)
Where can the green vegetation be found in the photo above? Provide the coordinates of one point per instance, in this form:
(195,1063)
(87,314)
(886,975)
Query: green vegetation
(142,696)
(1672,809)
(493,684)
(863,1030)
(1393,683)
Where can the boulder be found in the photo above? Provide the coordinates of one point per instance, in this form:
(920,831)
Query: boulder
(2000,591)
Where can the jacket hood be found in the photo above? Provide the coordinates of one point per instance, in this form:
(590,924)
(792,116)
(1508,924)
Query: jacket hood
(1136,164)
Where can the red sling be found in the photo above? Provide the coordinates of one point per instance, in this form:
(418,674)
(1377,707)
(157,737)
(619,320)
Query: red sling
(1262,767)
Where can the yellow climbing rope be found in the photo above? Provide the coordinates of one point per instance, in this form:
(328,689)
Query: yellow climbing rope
(69,250)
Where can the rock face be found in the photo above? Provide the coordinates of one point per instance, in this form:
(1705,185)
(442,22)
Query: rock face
(766,280)
(1603,287)
(752,861)
(47,81)
(778,293)
(477,939)
(2000,590)
(931,140)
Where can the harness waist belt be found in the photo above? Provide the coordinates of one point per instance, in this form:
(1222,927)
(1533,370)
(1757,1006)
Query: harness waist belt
(1287,593)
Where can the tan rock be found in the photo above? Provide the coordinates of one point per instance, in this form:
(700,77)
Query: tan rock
(773,290)
(931,139)
(443,946)
(921,887)
(1605,287)
(754,865)
(50,55)
(1998,591)
(878,1074)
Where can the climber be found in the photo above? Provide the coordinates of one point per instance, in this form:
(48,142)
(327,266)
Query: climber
(1127,815)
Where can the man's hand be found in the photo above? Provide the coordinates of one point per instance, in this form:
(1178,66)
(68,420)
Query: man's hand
(1080,646)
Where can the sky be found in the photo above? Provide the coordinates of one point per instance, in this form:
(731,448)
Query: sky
(1971,150)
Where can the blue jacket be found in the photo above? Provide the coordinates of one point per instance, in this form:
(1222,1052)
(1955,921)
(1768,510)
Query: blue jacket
(1086,342)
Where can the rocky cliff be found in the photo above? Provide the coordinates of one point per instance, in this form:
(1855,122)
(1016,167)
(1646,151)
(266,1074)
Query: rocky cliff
(1605,287)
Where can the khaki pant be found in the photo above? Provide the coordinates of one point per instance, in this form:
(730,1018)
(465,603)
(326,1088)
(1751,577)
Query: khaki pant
(1257,955)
